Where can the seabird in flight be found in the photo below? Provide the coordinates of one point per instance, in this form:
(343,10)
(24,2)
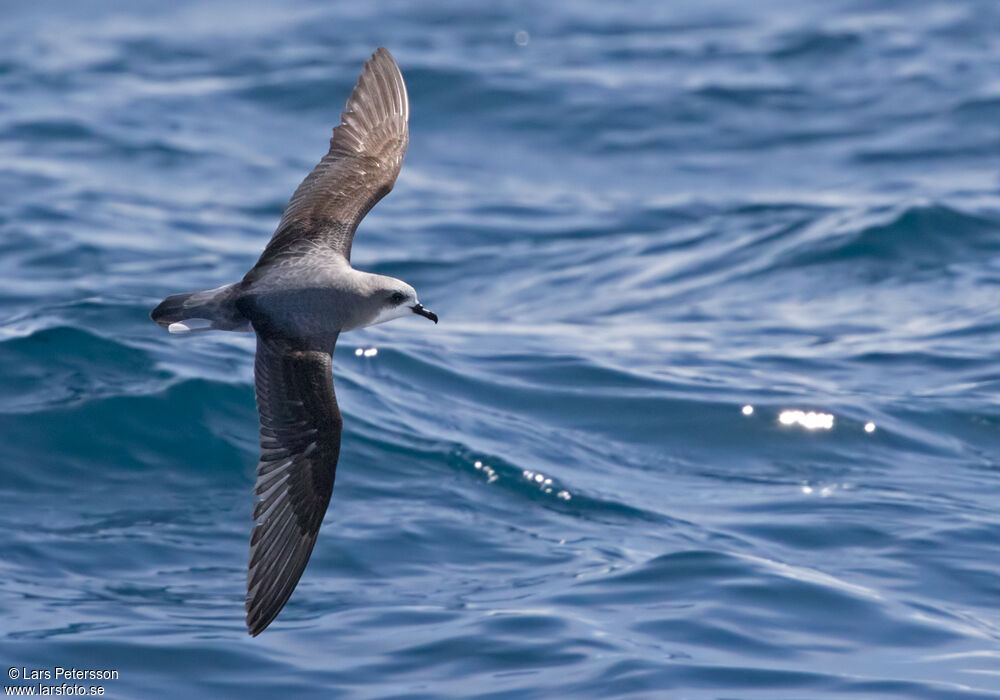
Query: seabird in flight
(298,298)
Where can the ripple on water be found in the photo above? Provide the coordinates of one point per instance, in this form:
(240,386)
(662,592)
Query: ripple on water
(635,223)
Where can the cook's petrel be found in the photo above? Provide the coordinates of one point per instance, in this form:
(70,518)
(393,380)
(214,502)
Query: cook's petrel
(298,298)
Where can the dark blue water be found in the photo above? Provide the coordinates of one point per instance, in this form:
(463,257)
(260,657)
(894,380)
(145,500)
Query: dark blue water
(634,220)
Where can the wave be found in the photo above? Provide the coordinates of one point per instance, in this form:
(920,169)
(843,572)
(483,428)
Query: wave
(62,365)
(815,45)
(918,238)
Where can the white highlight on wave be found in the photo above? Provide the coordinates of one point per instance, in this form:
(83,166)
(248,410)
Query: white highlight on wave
(810,421)
(486,469)
(544,483)
(823,491)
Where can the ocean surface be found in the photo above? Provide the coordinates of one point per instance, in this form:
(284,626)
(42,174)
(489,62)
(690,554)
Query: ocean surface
(714,404)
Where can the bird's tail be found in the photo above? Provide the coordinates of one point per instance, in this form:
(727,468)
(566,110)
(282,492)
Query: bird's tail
(212,309)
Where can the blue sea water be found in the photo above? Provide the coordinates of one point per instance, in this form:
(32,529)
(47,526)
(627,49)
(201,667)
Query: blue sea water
(634,220)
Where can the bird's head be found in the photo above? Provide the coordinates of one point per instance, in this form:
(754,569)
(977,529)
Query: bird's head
(393,298)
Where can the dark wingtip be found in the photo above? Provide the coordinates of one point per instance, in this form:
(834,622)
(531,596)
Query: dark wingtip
(259,619)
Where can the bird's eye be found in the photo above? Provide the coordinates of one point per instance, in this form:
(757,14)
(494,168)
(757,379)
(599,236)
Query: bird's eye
(397,298)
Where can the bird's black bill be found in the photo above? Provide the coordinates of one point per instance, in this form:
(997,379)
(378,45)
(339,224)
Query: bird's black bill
(418,309)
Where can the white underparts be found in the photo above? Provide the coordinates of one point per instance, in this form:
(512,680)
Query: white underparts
(190,324)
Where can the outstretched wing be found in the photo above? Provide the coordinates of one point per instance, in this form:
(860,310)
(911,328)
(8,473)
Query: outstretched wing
(300,428)
(365,155)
